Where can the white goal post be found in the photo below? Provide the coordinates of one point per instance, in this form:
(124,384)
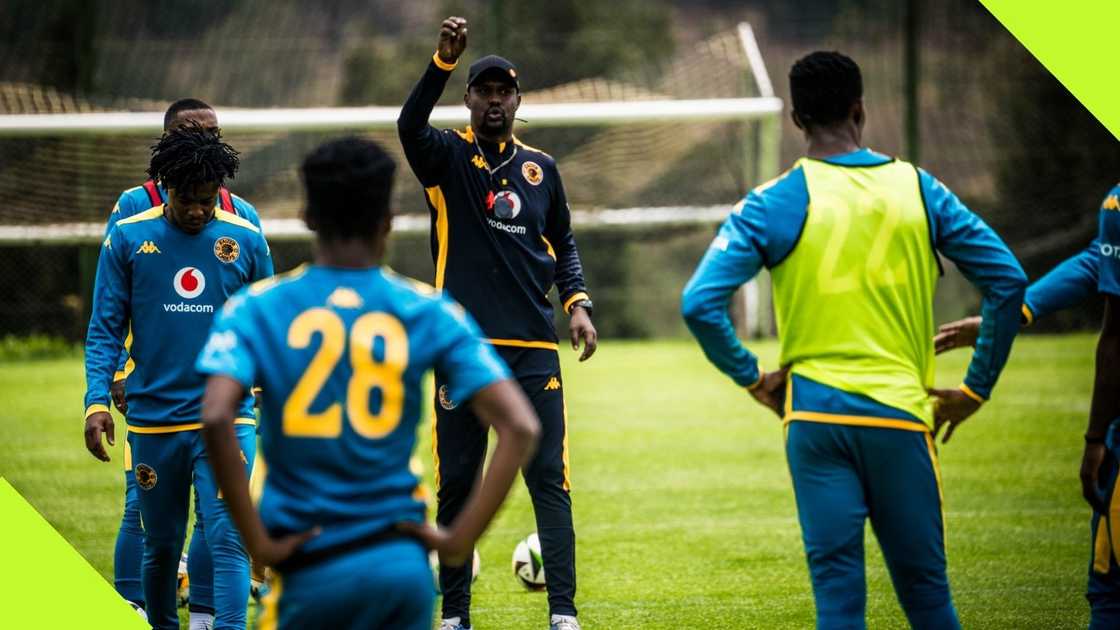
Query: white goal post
(763,144)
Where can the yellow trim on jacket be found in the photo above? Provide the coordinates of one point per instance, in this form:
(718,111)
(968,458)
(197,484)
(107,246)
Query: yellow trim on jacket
(856,421)
(575,297)
(519,343)
(971,394)
(97,408)
(177,428)
(439,202)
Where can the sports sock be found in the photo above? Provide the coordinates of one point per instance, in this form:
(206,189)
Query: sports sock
(201,621)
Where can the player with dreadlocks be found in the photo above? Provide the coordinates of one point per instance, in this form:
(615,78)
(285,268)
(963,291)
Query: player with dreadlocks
(167,270)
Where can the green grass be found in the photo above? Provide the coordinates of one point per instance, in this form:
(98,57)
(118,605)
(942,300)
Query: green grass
(683,506)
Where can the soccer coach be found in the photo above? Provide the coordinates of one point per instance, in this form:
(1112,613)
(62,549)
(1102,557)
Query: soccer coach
(501,237)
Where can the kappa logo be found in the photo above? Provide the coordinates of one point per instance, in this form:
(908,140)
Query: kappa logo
(220,342)
(479,162)
(146,476)
(445,400)
(553,384)
(226,249)
(532,173)
(148,247)
(345,297)
(189,282)
(108,242)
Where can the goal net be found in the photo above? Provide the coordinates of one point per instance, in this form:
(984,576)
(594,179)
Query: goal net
(651,164)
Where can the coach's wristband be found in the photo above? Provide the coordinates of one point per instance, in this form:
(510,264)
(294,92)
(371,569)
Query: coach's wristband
(1094,439)
(443,65)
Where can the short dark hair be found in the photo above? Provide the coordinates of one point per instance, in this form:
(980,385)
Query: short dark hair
(349,182)
(191,155)
(182,105)
(824,86)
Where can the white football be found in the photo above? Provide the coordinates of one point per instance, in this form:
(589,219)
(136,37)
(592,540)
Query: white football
(527,564)
(183,584)
(476,566)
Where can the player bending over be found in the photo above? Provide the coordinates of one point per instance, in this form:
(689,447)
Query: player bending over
(851,237)
(342,346)
(166,271)
(1095,269)
(128,554)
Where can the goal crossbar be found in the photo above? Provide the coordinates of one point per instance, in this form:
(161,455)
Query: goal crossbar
(331,118)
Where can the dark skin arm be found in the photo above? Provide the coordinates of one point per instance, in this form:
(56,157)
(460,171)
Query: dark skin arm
(504,407)
(1106,403)
(97,424)
(452,39)
(951,407)
(580,329)
(116,390)
(219,409)
(771,390)
(959,334)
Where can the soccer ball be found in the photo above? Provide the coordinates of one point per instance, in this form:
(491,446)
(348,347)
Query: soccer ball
(527,564)
(476,566)
(183,584)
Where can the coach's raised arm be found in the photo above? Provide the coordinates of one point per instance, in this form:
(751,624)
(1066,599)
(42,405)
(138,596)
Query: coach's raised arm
(425,147)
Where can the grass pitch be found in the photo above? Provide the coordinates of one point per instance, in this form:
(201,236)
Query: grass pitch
(683,505)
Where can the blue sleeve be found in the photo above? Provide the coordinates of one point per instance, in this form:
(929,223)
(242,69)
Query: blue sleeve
(760,232)
(122,209)
(108,323)
(732,259)
(227,351)
(246,211)
(1073,281)
(987,263)
(262,260)
(1109,244)
(466,361)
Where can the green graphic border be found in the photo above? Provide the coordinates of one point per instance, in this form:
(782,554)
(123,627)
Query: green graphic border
(1076,41)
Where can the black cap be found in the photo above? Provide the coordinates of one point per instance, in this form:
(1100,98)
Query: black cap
(489,63)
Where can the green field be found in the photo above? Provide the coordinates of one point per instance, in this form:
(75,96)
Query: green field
(684,511)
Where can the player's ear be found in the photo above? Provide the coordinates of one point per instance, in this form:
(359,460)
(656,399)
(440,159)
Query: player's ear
(309,219)
(857,114)
(796,120)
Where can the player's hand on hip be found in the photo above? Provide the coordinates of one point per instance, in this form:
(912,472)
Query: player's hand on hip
(453,551)
(452,39)
(272,551)
(580,329)
(1091,461)
(116,390)
(959,334)
(97,424)
(771,390)
(950,408)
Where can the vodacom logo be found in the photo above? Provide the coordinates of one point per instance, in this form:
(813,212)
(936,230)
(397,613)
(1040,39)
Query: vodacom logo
(189,282)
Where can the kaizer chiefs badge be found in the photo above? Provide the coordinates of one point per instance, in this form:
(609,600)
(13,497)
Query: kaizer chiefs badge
(532,173)
(226,249)
(444,400)
(145,476)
